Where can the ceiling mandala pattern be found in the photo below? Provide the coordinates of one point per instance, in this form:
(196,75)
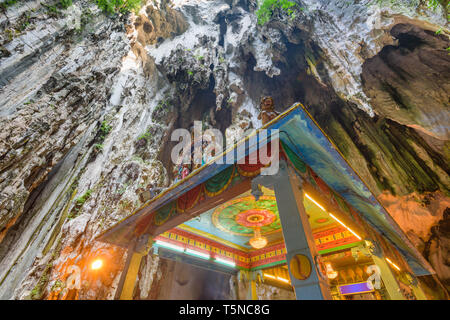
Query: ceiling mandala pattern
(241,216)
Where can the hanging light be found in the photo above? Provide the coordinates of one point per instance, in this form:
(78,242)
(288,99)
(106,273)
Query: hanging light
(258,241)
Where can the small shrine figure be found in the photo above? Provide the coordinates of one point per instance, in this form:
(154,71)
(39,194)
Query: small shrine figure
(267,110)
(180,169)
(177,172)
(185,171)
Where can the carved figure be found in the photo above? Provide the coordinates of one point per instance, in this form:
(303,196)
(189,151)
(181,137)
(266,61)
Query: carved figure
(267,110)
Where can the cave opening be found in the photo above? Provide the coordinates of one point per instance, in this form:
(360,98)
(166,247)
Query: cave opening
(286,88)
(202,108)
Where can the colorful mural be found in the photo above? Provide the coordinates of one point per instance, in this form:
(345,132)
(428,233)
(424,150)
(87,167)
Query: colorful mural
(240,216)
(203,225)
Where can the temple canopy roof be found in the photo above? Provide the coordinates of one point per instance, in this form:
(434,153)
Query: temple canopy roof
(307,146)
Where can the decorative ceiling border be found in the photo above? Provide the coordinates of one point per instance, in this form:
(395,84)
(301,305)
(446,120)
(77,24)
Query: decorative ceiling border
(212,237)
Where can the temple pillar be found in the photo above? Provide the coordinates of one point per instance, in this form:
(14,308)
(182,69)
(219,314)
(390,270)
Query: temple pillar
(302,256)
(418,291)
(390,283)
(253,295)
(131,276)
(136,251)
(386,273)
(247,285)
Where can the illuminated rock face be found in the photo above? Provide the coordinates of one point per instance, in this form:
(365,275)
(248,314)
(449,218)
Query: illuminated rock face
(88,104)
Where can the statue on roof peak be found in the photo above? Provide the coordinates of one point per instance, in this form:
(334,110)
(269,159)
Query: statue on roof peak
(267,108)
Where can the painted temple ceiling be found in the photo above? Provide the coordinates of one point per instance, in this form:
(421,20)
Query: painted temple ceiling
(233,222)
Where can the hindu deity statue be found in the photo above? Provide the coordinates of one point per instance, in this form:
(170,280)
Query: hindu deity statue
(181,170)
(267,110)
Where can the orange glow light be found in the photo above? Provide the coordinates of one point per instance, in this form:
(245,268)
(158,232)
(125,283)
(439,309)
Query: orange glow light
(331,215)
(97,264)
(341,223)
(283,279)
(393,264)
(315,202)
(275,278)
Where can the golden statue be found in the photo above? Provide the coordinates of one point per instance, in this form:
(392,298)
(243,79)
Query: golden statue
(267,110)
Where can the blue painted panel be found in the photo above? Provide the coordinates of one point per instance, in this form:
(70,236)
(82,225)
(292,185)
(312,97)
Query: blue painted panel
(354,288)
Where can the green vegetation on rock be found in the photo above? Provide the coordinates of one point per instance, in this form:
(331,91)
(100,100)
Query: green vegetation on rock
(105,128)
(162,106)
(146,135)
(7,3)
(98,147)
(38,291)
(102,132)
(433,4)
(119,6)
(267,7)
(81,200)
(65,3)
(78,204)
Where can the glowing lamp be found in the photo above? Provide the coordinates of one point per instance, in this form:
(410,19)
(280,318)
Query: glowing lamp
(197,253)
(283,279)
(258,241)
(97,264)
(331,215)
(392,264)
(226,262)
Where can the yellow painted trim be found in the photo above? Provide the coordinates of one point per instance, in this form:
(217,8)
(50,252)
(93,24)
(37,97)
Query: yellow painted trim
(253,290)
(327,227)
(130,280)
